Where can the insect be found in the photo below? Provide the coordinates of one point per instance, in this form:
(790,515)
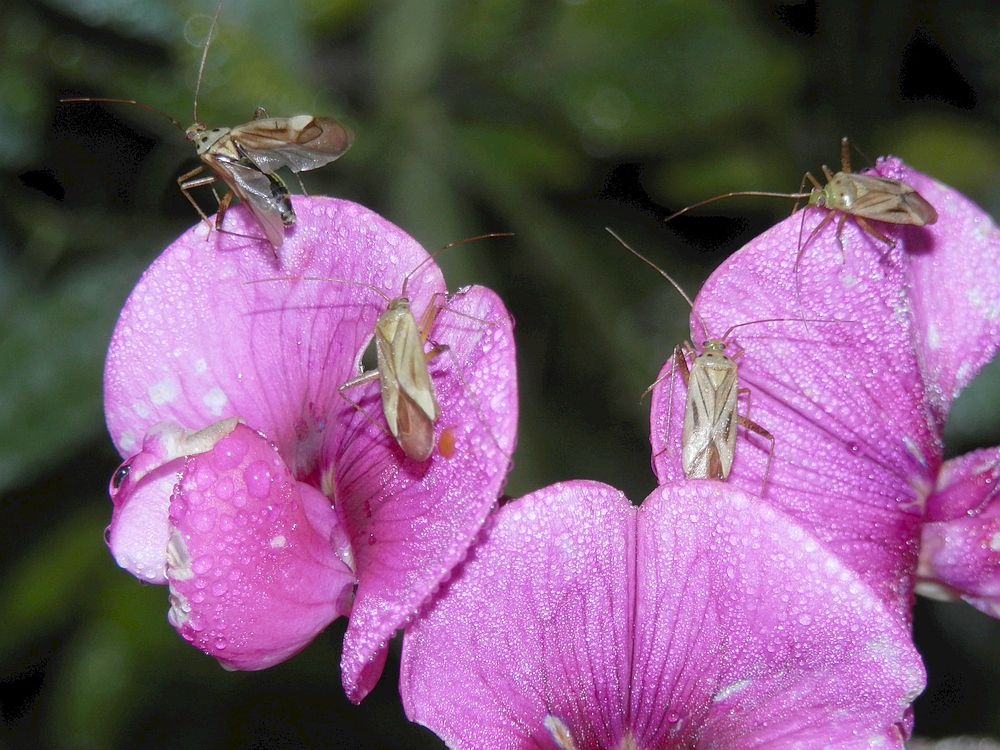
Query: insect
(711,418)
(861,196)
(409,401)
(247,156)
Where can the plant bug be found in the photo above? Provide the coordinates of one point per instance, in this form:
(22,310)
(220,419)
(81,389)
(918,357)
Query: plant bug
(861,196)
(409,401)
(711,416)
(247,156)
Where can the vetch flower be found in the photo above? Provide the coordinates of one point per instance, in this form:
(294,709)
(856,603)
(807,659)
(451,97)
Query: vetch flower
(960,550)
(704,618)
(857,396)
(215,330)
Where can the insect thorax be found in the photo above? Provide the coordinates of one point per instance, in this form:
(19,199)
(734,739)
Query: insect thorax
(204,138)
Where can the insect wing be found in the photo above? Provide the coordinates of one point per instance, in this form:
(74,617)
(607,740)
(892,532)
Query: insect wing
(265,195)
(408,399)
(882,199)
(300,143)
(709,434)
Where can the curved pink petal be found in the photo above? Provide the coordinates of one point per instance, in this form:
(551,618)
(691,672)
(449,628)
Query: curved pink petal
(536,623)
(412,522)
(703,619)
(750,634)
(141,489)
(215,328)
(254,575)
(856,449)
(960,550)
(954,287)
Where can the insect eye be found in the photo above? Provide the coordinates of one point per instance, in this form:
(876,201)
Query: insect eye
(120,475)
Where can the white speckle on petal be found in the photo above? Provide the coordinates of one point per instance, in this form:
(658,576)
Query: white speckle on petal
(201,230)
(141,410)
(995,542)
(163,392)
(730,689)
(180,609)
(201,365)
(127,440)
(560,732)
(178,559)
(215,399)
(278,542)
(914,450)
(933,337)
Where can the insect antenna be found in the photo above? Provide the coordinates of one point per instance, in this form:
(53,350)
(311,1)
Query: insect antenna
(150,107)
(664,274)
(374,288)
(433,255)
(760,193)
(204,57)
(725,336)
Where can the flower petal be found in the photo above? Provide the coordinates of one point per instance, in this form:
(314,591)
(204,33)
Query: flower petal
(254,574)
(211,331)
(954,287)
(141,489)
(855,445)
(960,550)
(536,623)
(749,633)
(724,624)
(412,522)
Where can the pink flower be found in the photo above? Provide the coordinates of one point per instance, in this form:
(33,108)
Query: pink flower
(704,618)
(216,330)
(857,396)
(960,551)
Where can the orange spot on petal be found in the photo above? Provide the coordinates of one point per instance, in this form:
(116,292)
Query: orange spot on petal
(446,442)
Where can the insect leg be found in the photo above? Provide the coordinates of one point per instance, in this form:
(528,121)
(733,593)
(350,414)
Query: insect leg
(187,181)
(874,232)
(223,207)
(845,155)
(680,365)
(365,377)
(752,426)
(802,187)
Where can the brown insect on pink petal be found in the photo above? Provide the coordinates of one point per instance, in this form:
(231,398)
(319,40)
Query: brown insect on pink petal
(246,157)
(711,411)
(865,198)
(409,400)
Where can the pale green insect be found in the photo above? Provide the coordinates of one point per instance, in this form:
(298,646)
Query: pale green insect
(711,417)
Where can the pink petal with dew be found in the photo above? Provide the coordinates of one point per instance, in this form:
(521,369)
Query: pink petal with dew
(703,619)
(855,446)
(960,551)
(536,622)
(954,287)
(750,634)
(254,573)
(215,328)
(141,489)
(412,522)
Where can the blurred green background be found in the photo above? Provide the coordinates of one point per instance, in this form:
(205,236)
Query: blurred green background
(547,119)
